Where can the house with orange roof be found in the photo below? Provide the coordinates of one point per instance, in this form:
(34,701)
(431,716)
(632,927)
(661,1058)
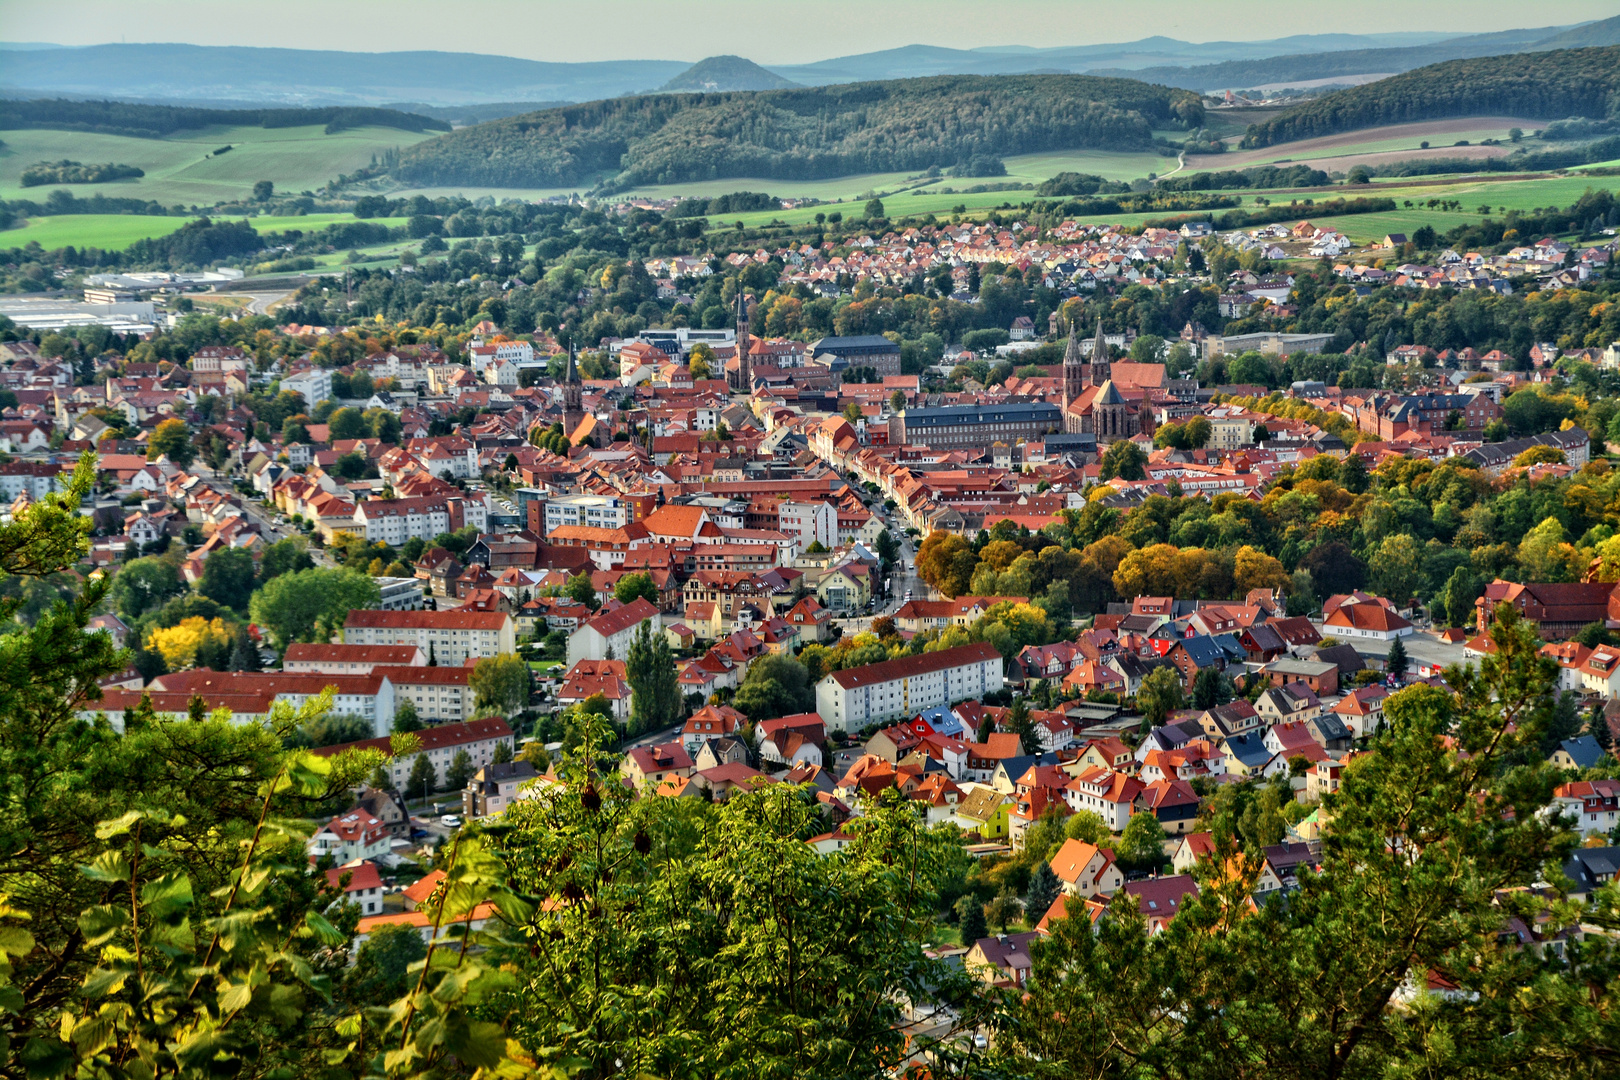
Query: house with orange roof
(1086,870)
(1193,848)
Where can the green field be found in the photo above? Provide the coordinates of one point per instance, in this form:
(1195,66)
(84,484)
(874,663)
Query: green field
(114,232)
(1026,168)
(178,169)
(110,232)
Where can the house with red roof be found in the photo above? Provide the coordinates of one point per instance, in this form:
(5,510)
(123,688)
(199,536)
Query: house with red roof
(361,884)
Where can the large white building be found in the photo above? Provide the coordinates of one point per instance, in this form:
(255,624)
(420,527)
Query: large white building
(608,635)
(854,698)
(315,385)
(38,479)
(595,511)
(440,743)
(394,521)
(448,637)
(810,523)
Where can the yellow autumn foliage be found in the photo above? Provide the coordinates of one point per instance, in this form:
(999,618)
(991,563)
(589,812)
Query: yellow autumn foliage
(179,644)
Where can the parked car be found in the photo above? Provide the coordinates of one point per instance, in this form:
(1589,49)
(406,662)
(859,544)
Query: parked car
(450,821)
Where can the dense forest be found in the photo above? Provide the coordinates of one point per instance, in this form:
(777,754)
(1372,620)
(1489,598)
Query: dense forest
(1567,82)
(156,121)
(802,133)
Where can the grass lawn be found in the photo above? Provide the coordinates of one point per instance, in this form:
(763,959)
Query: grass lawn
(178,169)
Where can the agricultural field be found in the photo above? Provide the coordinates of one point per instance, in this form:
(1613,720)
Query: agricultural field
(179,170)
(1398,142)
(110,232)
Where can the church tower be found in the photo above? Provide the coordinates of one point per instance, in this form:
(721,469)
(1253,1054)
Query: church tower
(745,373)
(1101,370)
(573,397)
(1074,369)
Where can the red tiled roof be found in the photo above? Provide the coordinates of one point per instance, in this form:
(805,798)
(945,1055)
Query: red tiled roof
(910,666)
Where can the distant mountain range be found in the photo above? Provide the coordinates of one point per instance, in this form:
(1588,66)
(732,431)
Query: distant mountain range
(1347,63)
(196,74)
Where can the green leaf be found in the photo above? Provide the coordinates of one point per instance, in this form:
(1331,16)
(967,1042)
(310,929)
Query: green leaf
(101,922)
(323,930)
(234,996)
(46,1058)
(15,941)
(109,866)
(479,1043)
(103,982)
(117,826)
(167,896)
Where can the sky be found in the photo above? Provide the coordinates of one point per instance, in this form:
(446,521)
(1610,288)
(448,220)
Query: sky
(766,31)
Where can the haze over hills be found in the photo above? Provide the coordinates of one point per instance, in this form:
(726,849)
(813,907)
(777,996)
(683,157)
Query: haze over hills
(723,73)
(1272,70)
(194,74)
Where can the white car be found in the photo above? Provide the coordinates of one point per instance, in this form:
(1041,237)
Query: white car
(450,821)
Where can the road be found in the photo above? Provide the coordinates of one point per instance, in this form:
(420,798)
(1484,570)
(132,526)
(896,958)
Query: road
(260,303)
(902,581)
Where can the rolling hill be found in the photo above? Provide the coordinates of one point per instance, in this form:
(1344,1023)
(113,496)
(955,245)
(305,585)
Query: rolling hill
(1310,67)
(236,76)
(806,133)
(719,74)
(1550,85)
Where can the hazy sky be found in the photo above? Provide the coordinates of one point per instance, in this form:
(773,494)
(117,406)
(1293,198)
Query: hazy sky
(767,31)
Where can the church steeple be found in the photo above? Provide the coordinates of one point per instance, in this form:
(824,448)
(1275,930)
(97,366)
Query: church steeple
(1074,368)
(573,396)
(1101,369)
(745,373)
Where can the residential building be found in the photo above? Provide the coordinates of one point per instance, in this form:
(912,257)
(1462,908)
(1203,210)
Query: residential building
(607,636)
(351,836)
(439,694)
(448,637)
(854,698)
(440,743)
(495,787)
(329,658)
(953,427)
(1087,870)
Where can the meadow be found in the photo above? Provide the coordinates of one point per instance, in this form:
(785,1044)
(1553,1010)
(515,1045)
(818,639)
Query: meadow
(179,170)
(113,232)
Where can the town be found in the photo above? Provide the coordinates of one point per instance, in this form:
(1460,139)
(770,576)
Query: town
(1159,637)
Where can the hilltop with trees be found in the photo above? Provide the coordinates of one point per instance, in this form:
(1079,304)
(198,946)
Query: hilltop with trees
(1566,82)
(801,133)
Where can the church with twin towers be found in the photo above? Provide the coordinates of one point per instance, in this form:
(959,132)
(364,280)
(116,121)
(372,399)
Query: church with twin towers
(1094,402)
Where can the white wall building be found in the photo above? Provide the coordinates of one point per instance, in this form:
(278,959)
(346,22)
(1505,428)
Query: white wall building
(595,511)
(854,698)
(448,637)
(608,635)
(315,385)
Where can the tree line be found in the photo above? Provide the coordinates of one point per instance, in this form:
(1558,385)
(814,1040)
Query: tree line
(908,124)
(156,121)
(1564,82)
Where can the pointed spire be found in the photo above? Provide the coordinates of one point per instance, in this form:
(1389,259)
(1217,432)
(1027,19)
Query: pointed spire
(1071,352)
(1099,348)
(572,375)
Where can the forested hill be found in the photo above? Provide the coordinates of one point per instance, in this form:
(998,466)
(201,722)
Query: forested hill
(156,121)
(801,133)
(1539,85)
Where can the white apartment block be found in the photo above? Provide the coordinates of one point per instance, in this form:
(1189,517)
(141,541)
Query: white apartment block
(315,385)
(394,521)
(854,698)
(810,523)
(595,511)
(448,637)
